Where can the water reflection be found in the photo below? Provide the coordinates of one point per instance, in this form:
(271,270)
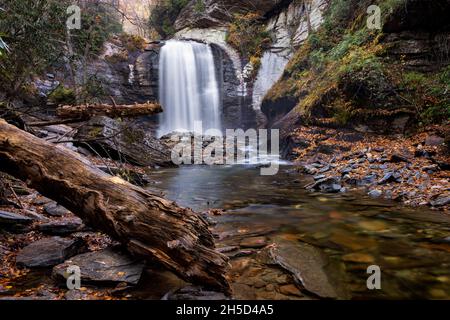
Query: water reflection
(412,246)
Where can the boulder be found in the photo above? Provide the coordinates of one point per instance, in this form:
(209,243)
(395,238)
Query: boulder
(397,158)
(434,141)
(106,267)
(328,185)
(440,201)
(254,242)
(62,227)
(125,141)
(55,210)
(306,264)
(389,177)
(375,193)
(49,252)
(10,219)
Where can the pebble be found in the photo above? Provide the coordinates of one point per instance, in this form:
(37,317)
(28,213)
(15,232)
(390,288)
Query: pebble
(375,193)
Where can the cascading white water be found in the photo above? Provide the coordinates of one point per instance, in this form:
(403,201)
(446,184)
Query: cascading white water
(188,87)
(272,67)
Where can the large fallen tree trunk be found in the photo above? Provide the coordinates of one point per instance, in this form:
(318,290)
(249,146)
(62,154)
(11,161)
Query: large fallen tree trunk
(88,111)
(148,225)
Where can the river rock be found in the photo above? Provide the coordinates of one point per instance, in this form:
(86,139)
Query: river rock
(309,169)
(10,219)
(375,193)
(319,177)
(434,141)
(346,170)
(440,201)
(328,185)
(55,210)
(34,215)
(62,227)
(40,201)
(194,293)
(106,267)
(397,157)
(48,252)
(290,290)
(306,264)
(254,242)
(389,177)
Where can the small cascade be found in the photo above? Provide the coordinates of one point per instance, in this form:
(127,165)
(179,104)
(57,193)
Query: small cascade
(271,70)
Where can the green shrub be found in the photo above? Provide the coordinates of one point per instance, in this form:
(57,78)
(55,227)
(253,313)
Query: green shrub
(117,57)
(360,59)
(350,40)
(444,76)
(100,21)
(199,6)
(94,90)
(248,35)
(63,96)
(438,113)
(413,80)
(132,42)
(163,16)
(342,116)
(318,60)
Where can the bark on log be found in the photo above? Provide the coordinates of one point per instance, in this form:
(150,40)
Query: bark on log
(148,225)
(88,111)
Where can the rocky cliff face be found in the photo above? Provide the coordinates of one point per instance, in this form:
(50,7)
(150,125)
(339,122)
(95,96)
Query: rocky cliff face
(320,67)
(127,76)
(215,13)
(289,29)
(288,23)
(383,81)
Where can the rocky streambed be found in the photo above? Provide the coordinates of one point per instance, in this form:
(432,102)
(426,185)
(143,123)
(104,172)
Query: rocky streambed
(284,242)
(309,232)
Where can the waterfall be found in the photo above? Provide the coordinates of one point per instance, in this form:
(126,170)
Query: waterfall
(188,87)
(272,67)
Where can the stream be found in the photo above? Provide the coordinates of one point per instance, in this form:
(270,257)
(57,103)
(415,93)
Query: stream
(328,239)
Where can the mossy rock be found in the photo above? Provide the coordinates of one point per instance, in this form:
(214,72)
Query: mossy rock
(63,96)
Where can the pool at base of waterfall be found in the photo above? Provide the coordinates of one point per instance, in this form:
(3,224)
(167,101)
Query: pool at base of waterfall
(288,243)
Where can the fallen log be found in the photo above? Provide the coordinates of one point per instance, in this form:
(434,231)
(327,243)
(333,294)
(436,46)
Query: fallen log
(53,122)
(88,111)
(148,225)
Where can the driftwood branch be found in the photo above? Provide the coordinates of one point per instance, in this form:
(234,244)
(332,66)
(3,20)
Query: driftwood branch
(148,225)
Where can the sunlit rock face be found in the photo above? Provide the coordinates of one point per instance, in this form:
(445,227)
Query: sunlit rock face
(137,13)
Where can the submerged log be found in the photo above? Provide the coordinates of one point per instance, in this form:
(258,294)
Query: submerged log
(88,111)
(148,225)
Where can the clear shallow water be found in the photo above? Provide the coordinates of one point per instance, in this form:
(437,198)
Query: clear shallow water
(412,246)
